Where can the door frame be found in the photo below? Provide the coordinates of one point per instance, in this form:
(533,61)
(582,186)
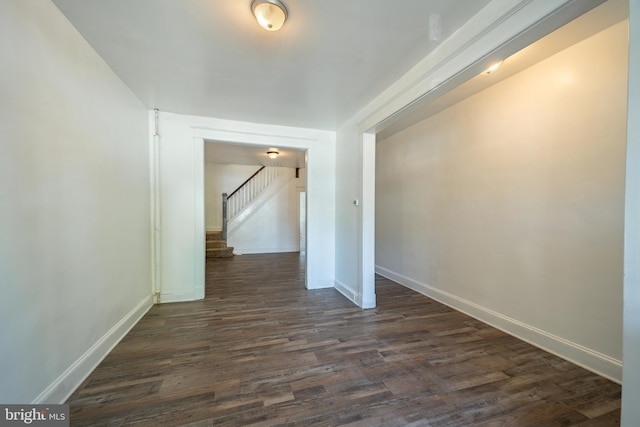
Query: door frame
(316,274)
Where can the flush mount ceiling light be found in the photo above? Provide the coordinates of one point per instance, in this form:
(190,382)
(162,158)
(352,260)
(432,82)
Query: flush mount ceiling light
(273,153)
(270,14)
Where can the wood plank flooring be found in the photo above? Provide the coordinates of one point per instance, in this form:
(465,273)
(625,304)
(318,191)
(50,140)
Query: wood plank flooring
(261,350)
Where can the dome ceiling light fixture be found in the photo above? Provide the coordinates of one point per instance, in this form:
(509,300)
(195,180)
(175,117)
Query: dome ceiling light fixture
(273,153)
(270,14)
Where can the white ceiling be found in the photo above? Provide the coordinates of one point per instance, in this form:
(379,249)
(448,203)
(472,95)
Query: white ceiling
(210,57)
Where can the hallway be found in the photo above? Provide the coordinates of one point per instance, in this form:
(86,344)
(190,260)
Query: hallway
(262,350)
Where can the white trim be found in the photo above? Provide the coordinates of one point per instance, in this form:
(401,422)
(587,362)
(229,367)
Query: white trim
(60,389)
(318,282)
(631,319)
(244,250)
(320,225)
(592,360)
(367,214)
(182,296)
(500,29)
(200,235)
(154,182)
(349,293)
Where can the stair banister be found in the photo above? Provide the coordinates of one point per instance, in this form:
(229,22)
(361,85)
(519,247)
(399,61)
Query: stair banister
(234,204)
(245,183)
(237,205)
(224,215)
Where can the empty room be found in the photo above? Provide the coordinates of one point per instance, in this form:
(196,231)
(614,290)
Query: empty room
(443,233)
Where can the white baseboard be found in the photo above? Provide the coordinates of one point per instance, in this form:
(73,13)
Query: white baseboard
(239,250)
(354,296)
(214,229)
(319,283)
(592,360)
(349,293)
(60,390)
(367,304)
(182,296)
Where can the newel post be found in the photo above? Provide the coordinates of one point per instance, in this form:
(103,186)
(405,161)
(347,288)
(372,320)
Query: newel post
(224,216)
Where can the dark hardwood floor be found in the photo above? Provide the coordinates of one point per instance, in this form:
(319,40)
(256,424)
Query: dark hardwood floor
(261,350)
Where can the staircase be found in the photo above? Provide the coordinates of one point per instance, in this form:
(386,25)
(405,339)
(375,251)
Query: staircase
(245,200)
(241,204)
(217,246)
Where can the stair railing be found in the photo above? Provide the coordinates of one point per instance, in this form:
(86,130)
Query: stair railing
(239,198)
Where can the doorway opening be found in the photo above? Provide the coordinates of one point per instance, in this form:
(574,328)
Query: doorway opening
(433,111)
(253,203)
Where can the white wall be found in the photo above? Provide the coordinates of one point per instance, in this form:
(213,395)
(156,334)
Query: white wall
(348,189)
(74,205)
(498,30)
(221,178)
(509,205)
(182,220)
(631,357)
(275,226)
(355,160)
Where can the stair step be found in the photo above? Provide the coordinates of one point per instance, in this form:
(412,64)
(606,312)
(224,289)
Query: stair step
(214,235)
(216,244)
(220,252)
